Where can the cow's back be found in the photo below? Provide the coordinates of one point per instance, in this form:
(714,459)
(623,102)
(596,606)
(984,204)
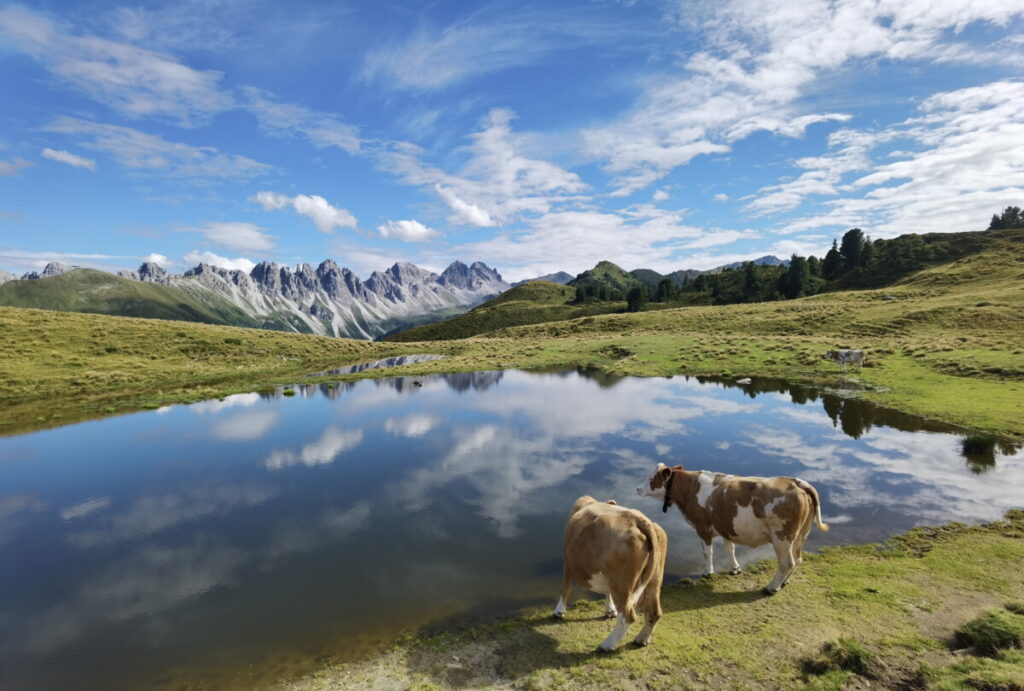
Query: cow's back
(753,511)
(600,537)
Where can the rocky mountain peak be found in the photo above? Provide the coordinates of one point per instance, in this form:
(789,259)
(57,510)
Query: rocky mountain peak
(51,269)
(7,276)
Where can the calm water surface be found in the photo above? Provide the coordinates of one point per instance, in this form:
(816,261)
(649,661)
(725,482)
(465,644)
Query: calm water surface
(225,542)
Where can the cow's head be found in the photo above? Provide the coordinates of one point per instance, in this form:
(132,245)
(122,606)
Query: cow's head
(829,355)
(655,485)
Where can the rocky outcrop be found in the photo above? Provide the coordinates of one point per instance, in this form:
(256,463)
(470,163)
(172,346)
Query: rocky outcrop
(6,276)
(51,269)
(331,300)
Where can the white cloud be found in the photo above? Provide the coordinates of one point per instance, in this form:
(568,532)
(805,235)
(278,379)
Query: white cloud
(135,81)
(332,442)
(408,231)
(323,130)
(236,264)
(498,183)
(754,65)
(463,210)
(434,59)
(721,197)
(965,162)
(245,426)
(150,153)
(71,159)
(14,166)
(324,215)
(659,196)
(235,235)
(158,259)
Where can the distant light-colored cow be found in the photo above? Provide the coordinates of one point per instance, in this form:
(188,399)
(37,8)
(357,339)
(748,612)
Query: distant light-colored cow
(620,553)
(845,357)
(751,511)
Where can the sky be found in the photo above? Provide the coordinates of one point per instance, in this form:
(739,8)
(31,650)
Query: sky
(660,134)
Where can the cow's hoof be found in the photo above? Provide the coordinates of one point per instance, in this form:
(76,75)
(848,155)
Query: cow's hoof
(558,615)
(736,572)
(610,615)
(769,591)
(601,650)
(707,574)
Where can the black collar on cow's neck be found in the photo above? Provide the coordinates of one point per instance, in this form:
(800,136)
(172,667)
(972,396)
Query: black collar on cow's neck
(668,491)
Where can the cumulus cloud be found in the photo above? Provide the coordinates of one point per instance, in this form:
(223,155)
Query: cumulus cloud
(236,264)
(152,154)
(135,81)
(324,215)
(236,235)
(69,158)
(409,231)
(159,259)
(659,196)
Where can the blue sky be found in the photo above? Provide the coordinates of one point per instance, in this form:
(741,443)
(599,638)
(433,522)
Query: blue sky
(665,135)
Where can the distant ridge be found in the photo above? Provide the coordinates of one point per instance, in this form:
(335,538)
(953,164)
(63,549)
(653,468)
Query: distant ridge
(559,277)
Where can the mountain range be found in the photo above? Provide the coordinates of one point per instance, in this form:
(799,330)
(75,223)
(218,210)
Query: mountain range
(329,300)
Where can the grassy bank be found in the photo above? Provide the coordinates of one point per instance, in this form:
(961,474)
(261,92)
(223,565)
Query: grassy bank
(946,343)
(879,615)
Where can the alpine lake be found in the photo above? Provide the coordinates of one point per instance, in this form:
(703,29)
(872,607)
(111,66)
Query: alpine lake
(234,542)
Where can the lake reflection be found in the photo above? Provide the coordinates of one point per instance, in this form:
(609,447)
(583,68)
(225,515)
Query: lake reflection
(225,541)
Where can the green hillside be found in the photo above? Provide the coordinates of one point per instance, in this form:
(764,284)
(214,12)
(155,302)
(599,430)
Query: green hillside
(98,292)
(530,303)
(648,277)
(607,275)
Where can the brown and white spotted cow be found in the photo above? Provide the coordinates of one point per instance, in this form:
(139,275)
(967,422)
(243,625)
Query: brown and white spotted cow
(620,553)
(750,511)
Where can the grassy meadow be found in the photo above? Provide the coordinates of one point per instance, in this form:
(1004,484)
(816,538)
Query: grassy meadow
(946,343)
(882,616)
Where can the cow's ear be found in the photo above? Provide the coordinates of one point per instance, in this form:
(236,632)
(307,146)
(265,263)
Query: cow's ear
(665,473)
(612,502)
(678,467)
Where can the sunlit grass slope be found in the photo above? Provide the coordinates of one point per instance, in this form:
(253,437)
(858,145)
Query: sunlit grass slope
(60,367)
(530,303)
(99,292)
(947,342)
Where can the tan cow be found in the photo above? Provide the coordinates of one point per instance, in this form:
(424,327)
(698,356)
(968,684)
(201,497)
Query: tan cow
(620,553)
(751,511)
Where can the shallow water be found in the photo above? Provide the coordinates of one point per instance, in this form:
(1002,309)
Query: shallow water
(226,542)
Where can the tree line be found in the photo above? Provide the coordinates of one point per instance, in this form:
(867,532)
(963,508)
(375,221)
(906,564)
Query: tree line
(854,261)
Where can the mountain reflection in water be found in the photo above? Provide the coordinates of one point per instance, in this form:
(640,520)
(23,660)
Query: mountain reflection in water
(212,543)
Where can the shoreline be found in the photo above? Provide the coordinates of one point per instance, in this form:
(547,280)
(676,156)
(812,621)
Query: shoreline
(901,600)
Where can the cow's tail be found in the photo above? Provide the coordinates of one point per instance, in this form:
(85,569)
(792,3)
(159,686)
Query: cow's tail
(815,502)
(650,532)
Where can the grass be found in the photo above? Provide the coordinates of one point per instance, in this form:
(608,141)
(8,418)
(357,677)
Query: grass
(946,343)
(885,612)
(993,632)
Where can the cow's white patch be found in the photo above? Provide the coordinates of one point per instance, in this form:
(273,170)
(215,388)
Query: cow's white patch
(705,487)
(599,584)
(635,597)
(560,608)
(749,529)
(645,490)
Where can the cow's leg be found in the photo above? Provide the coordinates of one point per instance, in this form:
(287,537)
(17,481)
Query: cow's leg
(784,554)
(625,619)
(651,601)
(563,601)
(731,549)
(709,557)
(609,608)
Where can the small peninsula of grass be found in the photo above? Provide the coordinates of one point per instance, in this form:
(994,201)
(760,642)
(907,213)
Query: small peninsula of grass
(884,615)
